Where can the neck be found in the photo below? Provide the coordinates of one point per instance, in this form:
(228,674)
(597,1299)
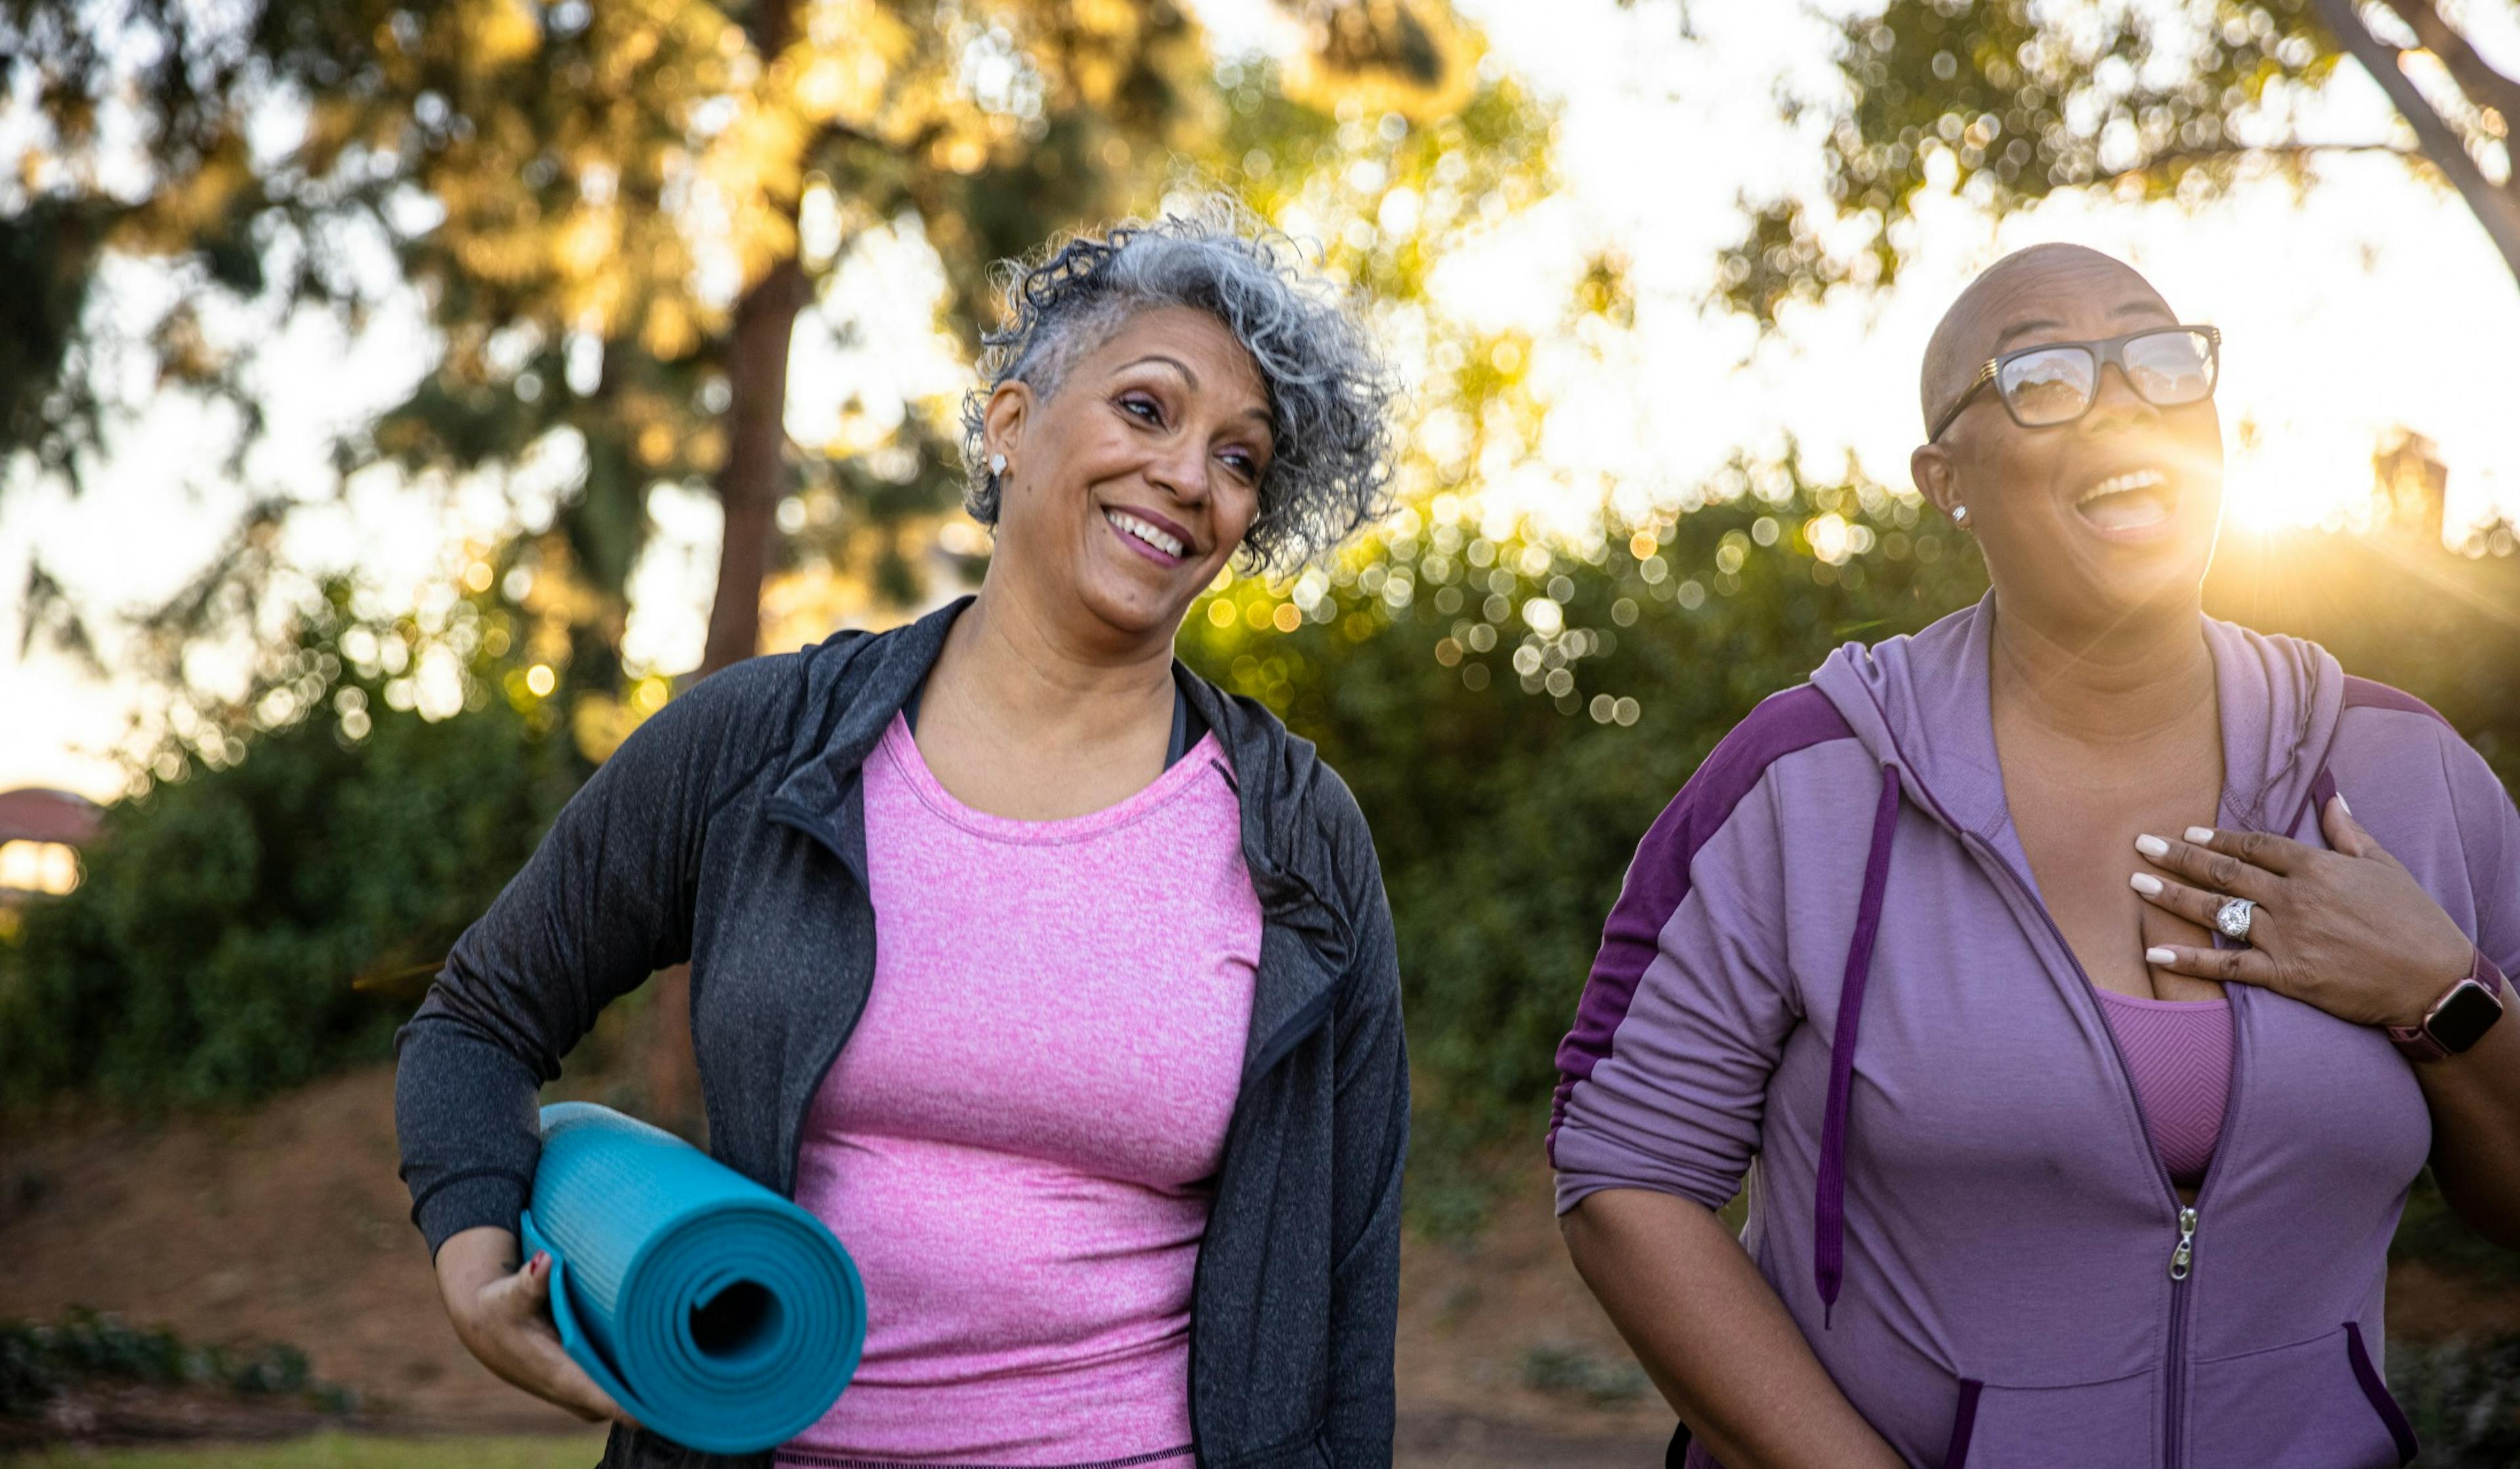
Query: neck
(1021,671)
(2139,676)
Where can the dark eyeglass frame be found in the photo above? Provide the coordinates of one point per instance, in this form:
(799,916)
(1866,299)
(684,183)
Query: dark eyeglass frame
(2103,353)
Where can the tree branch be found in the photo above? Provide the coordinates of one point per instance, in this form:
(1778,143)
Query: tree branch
(2496,210)
(2484,86)
(2262,150)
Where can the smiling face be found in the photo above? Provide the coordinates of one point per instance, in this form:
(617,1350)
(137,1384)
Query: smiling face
(1129,487)
(2083,522)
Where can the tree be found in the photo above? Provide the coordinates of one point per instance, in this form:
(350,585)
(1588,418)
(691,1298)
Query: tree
(615,214)
(2018,99)
(615,211)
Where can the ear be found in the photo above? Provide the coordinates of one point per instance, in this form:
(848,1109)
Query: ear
(1930,466)
(1003,422)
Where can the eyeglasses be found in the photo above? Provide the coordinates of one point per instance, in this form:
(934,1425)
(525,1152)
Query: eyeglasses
(2057,383)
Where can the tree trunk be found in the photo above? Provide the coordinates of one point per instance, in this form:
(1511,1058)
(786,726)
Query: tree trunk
(756,453)
(749,486)
(2496,206)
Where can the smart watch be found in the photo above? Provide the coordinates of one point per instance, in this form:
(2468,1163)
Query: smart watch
(2458,1020)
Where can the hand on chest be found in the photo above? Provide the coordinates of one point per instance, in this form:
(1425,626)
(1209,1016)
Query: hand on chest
(2080,844)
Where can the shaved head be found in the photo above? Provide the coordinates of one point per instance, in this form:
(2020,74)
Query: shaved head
(2003,302)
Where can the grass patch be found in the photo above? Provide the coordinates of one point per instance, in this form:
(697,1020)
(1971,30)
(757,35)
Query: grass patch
(339,1451)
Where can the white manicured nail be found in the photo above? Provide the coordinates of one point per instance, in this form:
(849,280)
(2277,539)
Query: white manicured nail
(2200,835)
(2146,884)
(2153,846)
(2341,806)
(2158,955)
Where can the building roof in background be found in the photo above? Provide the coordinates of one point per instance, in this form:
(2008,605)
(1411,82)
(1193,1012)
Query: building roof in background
(34,814)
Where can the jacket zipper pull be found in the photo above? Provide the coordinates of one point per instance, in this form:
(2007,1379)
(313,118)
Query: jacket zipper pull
(2180,1257)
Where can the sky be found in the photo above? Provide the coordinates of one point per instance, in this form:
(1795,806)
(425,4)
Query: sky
(2372,301)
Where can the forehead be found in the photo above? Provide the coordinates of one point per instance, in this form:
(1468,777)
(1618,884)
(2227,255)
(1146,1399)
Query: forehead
(1191,337)
(2067,298)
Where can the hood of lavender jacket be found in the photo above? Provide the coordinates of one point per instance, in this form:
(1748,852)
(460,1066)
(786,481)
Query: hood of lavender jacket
(1829,960)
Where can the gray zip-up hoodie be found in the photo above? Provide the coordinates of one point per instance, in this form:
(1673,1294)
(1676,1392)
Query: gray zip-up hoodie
(728,833)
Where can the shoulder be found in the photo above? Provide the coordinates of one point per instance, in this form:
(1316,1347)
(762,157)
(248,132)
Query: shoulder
(2370,694)
(1784,727)
(2411,778)
(744,717)
(2381,728)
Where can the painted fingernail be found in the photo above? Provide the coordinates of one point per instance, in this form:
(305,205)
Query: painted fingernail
(540,1262)
(2341,806)
(2200,835)
(2153,846)
(2146,884)
(2158,955)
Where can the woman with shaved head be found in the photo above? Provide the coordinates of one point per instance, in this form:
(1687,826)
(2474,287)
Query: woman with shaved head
(2084,1041)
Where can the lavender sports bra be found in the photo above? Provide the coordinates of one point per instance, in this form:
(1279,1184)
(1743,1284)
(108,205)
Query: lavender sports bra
(2179,1053)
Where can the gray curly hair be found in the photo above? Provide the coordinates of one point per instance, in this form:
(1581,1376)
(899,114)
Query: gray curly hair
(1329,394)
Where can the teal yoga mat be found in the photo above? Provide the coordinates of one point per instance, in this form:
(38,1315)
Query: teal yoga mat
(717,1313)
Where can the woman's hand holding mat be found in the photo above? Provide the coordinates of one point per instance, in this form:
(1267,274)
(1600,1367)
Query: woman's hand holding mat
(502,1314)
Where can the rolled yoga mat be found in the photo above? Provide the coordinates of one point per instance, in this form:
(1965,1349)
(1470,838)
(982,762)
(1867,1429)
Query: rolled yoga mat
(715,1311)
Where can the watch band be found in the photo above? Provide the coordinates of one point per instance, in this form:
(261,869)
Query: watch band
(2418,1043)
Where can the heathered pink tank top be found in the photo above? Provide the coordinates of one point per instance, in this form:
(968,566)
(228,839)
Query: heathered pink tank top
(1015,1145)
(2179,1053)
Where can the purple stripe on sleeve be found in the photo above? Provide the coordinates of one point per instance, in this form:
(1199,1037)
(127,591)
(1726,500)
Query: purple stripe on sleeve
(2365,694)
(2360,693)
(1658,877)
(1828,1246)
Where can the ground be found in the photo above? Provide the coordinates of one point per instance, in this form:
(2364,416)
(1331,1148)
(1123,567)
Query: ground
(288,1223)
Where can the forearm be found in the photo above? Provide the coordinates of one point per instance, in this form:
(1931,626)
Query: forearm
(2475,1104)
(469,1133)
(1713,1336)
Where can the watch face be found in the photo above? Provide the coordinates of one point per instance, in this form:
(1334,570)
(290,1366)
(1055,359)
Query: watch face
(2465,1017)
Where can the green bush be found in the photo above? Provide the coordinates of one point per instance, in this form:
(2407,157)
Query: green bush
(37,1361)
(246,926)
(1506,806)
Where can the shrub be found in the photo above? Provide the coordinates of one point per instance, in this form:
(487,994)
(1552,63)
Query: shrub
(249,926)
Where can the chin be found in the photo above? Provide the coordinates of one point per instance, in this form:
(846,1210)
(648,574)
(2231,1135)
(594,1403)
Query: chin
(1134,609)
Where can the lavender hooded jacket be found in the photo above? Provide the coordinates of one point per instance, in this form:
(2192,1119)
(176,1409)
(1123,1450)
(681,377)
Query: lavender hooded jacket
(1831,959)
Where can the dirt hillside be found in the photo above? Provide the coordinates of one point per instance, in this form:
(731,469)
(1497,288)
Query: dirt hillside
(288,1223)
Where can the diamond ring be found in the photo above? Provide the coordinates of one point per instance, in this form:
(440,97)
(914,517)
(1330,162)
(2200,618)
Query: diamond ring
(2233,917)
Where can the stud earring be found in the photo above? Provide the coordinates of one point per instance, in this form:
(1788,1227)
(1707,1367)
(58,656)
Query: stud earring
(1959,514)
(997,463)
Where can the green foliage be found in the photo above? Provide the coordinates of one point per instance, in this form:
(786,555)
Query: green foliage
(2463,1401)
(1512,715)
(341,1451)
(39,1362)
(2016,100)
(1575,1372)
(259,913)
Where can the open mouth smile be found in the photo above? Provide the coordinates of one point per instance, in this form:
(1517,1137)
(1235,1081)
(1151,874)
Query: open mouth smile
(2135,505)
(1149,539)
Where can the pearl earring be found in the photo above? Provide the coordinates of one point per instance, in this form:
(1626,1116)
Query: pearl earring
(1959,514)
(997,463)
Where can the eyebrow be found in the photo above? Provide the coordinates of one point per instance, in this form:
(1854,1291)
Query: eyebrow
(1175,362)
(1183,367)
(2017,327)
(2036,322)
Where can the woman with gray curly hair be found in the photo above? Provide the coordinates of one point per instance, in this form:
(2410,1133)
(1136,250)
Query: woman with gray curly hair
(1059,983)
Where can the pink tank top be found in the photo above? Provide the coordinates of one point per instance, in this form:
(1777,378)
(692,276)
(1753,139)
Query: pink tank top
(1018,1141)
(2179,1053)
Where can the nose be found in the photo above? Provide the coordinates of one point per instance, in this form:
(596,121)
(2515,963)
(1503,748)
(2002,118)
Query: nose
(1179,469)
(2117,405)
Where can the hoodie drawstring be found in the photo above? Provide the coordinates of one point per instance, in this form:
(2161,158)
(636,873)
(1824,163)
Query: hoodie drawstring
(1828,1245)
